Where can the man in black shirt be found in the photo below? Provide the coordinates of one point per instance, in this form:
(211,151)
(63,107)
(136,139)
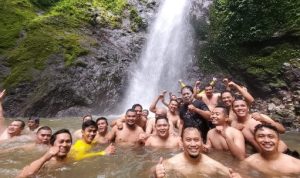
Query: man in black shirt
(194,112)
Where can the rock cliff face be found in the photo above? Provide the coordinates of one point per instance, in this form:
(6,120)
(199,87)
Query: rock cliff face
(285,104)
(94,82)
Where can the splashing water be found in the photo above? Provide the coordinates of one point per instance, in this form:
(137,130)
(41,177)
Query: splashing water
(165,57)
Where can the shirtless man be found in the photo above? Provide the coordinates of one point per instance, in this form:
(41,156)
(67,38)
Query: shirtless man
(227,98)
(140,119)
(42,142)
(78,133)
(246,123)
(224,137)
(82,147)
(163,138)
(60,142)
(131,134)
(14,129)
(102,134)
(270,161)
(172,112)
(191,162)
(33,124)
(209,97)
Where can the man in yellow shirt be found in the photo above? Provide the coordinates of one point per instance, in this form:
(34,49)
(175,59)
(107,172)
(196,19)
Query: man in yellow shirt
(83,147)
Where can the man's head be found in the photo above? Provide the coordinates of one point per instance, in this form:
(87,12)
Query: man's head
(15,127)
(219,115)
(267,138)
(240,108)
(63,140)
(87,117)
(33,123)
(173,106)
(209,90)
(192,142)
(162,127)
(102,125)
(43,135)
(130,117)
(160,112)
(145,113)
(138,109)
(187,94)
(227,98)
(89,130)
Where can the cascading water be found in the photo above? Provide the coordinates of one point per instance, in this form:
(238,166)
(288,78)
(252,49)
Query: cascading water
(164,57)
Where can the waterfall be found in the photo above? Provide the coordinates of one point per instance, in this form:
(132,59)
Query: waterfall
(165,56)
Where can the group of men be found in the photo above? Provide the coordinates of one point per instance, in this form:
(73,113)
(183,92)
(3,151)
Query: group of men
(197,122)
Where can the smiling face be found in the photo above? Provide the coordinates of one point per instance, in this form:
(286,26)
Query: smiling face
(139,111)
(173,106)
(227,99)
(63,142)
(15,128)
(162,128)
(218,116)
(102,126)
(187,95)
(267,140)
(192,142)
(89,133)
(130,118)
(240,108)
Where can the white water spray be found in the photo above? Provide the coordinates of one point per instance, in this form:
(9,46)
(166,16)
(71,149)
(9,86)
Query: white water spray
(164,58)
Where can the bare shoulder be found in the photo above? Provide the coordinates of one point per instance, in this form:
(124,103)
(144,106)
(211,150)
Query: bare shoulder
(252,158)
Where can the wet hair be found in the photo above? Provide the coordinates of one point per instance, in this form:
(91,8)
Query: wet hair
(160,117)
(136,105)
(35,119)
(61,131)
(89,123)
(130,110)
(187,87)
(190,128)
(22,123)
(225,110)
(239,99)
(269,126)
(173,100)
(146,110)
(102,118)
(44,128)
(88,115)
(227,91)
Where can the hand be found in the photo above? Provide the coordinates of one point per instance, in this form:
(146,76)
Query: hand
(143,137)
(2,94)
(205,148)
(257,117)
(111,149)
(231,84)
(53,151)
(160,170)
(192,108)
(197,83)
(214,79)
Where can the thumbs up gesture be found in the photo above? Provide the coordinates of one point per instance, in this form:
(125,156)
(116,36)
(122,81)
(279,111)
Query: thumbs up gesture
(160,171)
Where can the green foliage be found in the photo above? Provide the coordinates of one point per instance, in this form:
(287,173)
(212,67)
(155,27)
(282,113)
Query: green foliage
(253,38)
(44,3)
(136,20)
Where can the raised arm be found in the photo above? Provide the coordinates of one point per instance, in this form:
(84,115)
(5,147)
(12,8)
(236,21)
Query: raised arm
(1,111)
(36,165)
(154,103)
(247,96)
(266,119)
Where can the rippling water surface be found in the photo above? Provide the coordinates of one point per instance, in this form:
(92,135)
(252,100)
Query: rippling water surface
(126,163)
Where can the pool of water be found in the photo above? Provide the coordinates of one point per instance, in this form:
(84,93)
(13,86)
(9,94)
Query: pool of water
(126,163)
